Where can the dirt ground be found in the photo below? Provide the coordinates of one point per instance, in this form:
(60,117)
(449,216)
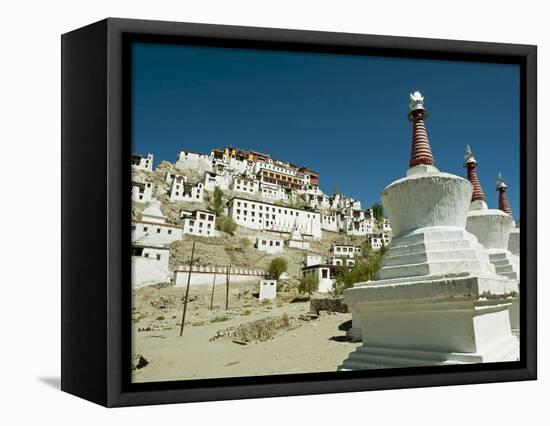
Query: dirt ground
(305,345)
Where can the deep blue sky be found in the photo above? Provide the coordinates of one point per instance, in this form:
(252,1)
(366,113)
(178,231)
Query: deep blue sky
(342,115)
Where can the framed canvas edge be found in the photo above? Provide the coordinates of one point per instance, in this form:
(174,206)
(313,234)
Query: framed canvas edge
(117,395)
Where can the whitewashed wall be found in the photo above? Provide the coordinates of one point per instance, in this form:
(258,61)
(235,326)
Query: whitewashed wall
(150,270)
(274,218)
(205,276)
(211,181)
(191,161)
(268,289)
(269,245)
(142,194)
(155,233)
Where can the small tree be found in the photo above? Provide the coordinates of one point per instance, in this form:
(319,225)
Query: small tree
(226,224)
(308,284)
(364,270)
(217,201)
(336,191)
(276,267)
(378,211)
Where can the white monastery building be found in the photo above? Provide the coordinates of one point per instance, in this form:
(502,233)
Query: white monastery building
(341,261)
(211,180)
(269,244)
(345,250)
(273,192)
(153,229)
(312,259)
(194,161)
(142,192)
(181,190)
(142,162)
(245,185)
(271,217)
(198,222)
(377,241)
(329,220)
(324,273)
(170,176)
(149,265)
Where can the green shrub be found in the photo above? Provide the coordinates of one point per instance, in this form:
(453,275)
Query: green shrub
(276,267)
(217,201)
(364,270)
(308,284)
(226,224)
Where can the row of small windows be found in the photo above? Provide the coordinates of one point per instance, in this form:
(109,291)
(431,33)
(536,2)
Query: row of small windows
(139,251)
(183,195)
(245,213)
(271,243)
(273,209)
(267,222)
(344,249)
(191,230)
(158,230)
(244,189)
(324,272)
(192,223)
(147,255)
(244,182)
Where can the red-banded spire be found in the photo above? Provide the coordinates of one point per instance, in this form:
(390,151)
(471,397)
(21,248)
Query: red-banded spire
(503,203)
(421,153)
(471,164)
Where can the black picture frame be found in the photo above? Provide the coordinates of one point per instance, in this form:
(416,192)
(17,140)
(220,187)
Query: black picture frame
(95,258)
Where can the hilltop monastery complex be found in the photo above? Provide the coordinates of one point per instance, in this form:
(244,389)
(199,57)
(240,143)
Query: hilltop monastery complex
(277,199)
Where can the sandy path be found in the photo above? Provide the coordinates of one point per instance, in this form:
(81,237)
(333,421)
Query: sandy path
(307,348)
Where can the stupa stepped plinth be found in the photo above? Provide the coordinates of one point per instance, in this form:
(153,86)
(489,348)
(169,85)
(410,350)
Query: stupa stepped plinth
(437,298)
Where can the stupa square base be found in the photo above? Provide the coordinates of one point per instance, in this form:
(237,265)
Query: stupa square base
(433,322)
(372,357)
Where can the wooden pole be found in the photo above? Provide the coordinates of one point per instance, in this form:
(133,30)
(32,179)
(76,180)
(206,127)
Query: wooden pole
(227,274)
(213,286)
(187,289)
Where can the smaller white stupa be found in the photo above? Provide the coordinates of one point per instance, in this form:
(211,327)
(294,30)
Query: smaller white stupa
(504,205)
(296,240)
(492,228)
(153,213)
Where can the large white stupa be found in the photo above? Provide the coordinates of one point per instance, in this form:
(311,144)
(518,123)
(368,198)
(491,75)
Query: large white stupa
(437,298)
